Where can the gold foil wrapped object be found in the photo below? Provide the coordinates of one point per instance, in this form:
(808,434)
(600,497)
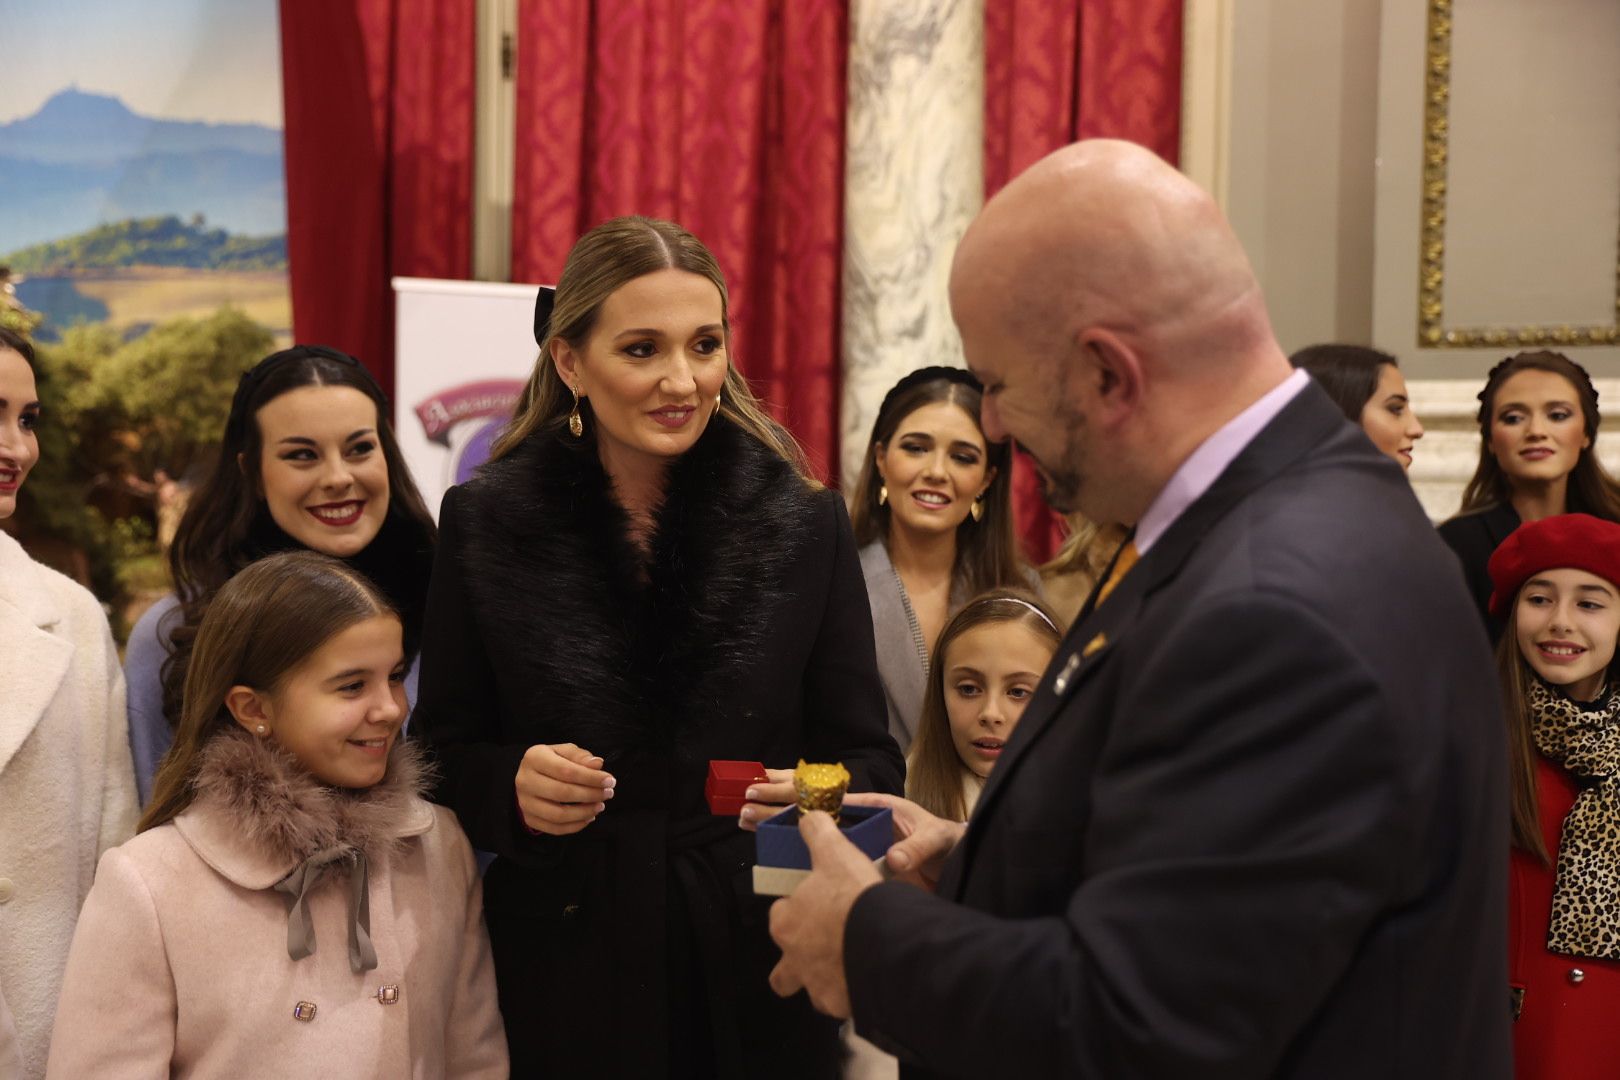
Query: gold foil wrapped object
(821,787)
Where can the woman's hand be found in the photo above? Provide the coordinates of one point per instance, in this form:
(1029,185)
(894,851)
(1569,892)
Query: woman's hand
(922,841)
(561,788)
(767,799)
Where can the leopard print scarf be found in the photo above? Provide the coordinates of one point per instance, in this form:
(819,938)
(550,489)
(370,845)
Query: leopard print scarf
(1585,740)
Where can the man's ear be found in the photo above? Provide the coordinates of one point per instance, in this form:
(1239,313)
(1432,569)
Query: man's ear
(251,709)
(566,361)
(1113,373)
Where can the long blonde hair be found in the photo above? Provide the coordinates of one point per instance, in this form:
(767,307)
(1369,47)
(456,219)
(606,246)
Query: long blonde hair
(609,256)
(1086,549)
(934,772)
(261,625)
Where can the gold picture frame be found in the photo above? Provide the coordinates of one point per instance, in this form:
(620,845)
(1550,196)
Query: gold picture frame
(1432,331)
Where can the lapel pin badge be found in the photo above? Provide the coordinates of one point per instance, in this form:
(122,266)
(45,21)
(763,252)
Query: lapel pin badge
(1061,683)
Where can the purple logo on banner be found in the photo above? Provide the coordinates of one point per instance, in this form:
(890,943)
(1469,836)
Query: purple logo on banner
(466,420)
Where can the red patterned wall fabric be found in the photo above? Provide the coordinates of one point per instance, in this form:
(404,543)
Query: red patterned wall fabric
(379,138)
(724,115)
(1061,70)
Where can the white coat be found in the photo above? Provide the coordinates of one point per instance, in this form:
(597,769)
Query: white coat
(67,787)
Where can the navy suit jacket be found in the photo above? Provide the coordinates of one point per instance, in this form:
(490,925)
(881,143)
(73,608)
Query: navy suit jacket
(1253,822)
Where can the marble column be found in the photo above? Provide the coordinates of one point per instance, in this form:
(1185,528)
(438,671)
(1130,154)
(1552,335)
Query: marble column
(914,178)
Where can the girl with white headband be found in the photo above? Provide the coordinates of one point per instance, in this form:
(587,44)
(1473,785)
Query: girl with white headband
(987,662)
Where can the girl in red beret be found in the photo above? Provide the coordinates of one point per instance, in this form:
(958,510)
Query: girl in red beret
(1556,582)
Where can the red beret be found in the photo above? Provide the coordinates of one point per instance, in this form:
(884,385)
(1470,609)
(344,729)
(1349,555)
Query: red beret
(1567,541)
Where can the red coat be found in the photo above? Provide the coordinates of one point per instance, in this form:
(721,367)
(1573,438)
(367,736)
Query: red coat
(1569,1028)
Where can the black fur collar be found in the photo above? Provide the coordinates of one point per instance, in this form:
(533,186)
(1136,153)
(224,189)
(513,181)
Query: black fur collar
(615,654)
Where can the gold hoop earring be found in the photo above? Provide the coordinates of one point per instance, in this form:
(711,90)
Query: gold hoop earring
(576,426)
(977,509)
(883,495)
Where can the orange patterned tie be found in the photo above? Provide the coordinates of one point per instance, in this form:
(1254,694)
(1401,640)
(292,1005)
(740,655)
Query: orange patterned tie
(1122,566)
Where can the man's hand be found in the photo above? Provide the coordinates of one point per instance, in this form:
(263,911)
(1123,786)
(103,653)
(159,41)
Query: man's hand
(921,840)
(809,925)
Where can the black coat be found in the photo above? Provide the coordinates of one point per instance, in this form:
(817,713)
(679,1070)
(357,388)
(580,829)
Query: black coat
(636,947)
(1474,537)
(1253,822)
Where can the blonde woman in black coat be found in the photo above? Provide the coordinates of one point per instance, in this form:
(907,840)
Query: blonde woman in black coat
(643,579)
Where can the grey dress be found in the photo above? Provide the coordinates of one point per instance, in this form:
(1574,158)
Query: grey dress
(902,654)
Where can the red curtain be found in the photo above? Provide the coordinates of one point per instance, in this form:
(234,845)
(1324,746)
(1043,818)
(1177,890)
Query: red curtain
(378,98)
(724,115)
(1061,70)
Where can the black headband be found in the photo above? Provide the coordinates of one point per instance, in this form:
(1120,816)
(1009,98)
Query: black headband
(925,375)
(255,376)
(543,303)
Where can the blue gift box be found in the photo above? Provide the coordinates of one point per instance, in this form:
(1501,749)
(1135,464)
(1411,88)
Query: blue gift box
(777,841)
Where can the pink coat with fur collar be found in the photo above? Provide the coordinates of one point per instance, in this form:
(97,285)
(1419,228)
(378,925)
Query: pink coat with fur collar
(180,963)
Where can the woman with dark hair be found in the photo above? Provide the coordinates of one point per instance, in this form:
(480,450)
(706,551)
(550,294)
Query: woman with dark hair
(640,581)
(308,460)
(67,792)
(1367,385)
(1538,425)
(932,514)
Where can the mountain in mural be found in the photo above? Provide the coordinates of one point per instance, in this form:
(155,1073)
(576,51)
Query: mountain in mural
(86,159)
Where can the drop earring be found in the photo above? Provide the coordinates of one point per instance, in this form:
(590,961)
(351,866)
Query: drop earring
(576,426)
(977,509)
(883,495)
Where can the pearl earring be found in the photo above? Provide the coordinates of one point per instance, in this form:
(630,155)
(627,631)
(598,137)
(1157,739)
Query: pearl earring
(261,729)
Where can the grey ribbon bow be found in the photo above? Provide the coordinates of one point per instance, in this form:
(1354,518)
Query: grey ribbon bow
(301,931)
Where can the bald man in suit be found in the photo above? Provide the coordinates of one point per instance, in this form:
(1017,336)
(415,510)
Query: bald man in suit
(1253,822)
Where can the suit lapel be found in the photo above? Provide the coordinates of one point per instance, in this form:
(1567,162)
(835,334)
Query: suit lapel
(1302,424)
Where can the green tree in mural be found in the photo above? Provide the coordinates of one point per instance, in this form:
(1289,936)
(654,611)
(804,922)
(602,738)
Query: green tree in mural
(171,388)
(115,413)
(155,241)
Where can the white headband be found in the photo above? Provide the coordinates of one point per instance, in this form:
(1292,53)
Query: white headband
(1025,603)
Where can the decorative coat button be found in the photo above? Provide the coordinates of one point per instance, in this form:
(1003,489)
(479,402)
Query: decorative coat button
(389,994)
(1577,976)
(305,1011)
(8,889)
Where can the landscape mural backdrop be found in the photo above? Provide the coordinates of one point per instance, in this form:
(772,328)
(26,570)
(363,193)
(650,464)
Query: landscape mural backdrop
(143,247)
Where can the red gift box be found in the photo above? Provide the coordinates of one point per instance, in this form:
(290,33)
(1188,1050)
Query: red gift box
(727,785)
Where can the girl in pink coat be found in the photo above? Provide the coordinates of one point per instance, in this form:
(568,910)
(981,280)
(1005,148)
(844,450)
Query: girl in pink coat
(291,905)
